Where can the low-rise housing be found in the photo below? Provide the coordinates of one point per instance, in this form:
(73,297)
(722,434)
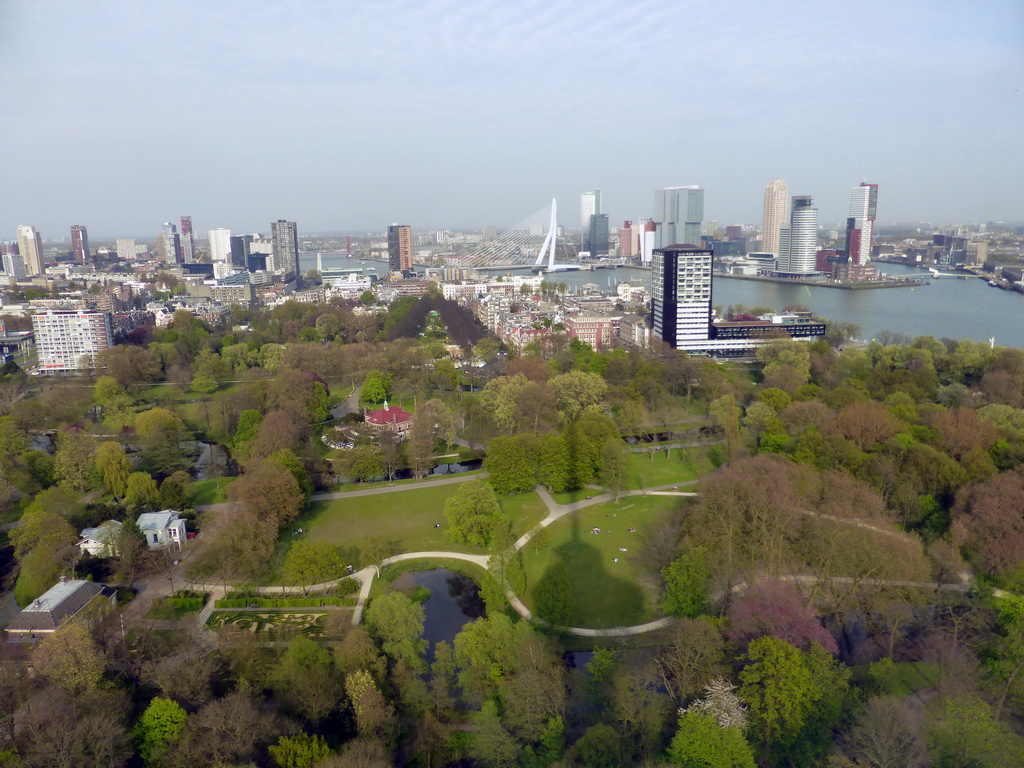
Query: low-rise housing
(67,600)
(162,529)
(101,541)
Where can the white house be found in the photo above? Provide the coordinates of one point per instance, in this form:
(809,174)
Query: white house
(162,529)
(101,541)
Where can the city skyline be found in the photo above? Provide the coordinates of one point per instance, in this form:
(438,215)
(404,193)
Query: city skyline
(436,124)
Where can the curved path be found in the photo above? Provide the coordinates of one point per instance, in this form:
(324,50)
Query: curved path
(555,512)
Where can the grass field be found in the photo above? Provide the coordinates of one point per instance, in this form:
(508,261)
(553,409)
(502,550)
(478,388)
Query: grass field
(406,519)
(682,466)
(212,491)
(605,593)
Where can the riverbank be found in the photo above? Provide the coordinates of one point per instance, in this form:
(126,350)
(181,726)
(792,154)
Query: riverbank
(847,286)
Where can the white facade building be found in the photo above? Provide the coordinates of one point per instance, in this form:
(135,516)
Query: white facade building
(681,295)
(70,340)
(14,266)
(863,204)
(798,240)
(776,196)
(126,249)
(30,243)
(220,245)
(162,529)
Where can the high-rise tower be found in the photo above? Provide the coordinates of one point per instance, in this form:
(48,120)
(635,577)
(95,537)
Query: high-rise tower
(798,240)
(590,205)
(30,244)
(776,195)
(860,226)
(220,245)
(168,245)
(285,247)
(80,243)
(188,243)
(678,213)
(681,308)
(399,247)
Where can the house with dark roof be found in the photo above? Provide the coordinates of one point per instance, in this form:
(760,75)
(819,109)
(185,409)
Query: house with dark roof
(66,600)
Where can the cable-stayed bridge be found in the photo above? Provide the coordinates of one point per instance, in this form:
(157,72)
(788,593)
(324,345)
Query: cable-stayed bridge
(531,242)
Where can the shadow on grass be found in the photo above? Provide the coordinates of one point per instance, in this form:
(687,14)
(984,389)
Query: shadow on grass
(577,590)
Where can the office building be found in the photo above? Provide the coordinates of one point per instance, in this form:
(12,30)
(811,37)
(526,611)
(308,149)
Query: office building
(30,246)
(400,247)
(681,308)
(240,250)
(285,247)
(80,244)
(595,239)
(798,239)
(861,223)
(168,244)
(678,214)
(626,246)
(125,249)
(220,245)
(70,340)
(776,196)
(14,265)
(594,330)
(188,241)
(590,205)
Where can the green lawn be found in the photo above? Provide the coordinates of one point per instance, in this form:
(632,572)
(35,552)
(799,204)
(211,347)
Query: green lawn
(345,487)
(570,497)
(678,466)
(406,519)
(212,491)
(605,593)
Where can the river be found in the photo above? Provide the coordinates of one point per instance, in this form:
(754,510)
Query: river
(947,307)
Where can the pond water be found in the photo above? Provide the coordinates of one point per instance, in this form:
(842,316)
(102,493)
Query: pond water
(213,461)
(454,602)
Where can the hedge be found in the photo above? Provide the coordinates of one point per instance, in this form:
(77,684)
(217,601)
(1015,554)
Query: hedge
(283,602)
(186,604)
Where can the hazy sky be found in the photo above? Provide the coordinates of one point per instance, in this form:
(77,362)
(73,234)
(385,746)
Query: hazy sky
(348,116)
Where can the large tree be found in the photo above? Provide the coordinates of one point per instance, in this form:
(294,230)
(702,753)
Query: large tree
(312,562)
(474,514)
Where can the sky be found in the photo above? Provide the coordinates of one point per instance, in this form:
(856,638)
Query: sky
(446,114)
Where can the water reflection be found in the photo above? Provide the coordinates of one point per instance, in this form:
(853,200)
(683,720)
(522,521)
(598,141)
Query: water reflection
(454,602)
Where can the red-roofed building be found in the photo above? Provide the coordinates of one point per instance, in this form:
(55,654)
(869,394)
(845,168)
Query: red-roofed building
(390,418)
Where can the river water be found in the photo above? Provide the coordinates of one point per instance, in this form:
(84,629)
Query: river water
(947,307)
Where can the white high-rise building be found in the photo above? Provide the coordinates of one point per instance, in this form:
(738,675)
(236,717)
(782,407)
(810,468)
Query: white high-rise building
(776,196)
(30,244)
(70,340)
(590,205)
(678,213)
(14,265)
(125,249)
(798,240)
(860,226)
(220,245)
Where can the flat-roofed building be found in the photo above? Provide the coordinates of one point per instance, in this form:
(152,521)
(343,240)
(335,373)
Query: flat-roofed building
(70,340)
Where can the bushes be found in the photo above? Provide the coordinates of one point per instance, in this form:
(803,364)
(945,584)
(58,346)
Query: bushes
(283,602)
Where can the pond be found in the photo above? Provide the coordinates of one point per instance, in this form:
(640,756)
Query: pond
(454,602)
(213,461)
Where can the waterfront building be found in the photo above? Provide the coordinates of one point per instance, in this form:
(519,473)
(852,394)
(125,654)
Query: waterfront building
(400,247)
(590,205)
(30,246)
(80,244)
(798,239)
(188,242)
(595,241)
(220,245)
(776,195)
(626,247)
(678,214)
(681,294)
(861,223)
(125,249)
(168,245)
(70,340)
(285,247)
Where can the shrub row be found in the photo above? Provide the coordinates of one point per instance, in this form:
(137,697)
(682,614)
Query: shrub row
(283,602)
(185,604)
